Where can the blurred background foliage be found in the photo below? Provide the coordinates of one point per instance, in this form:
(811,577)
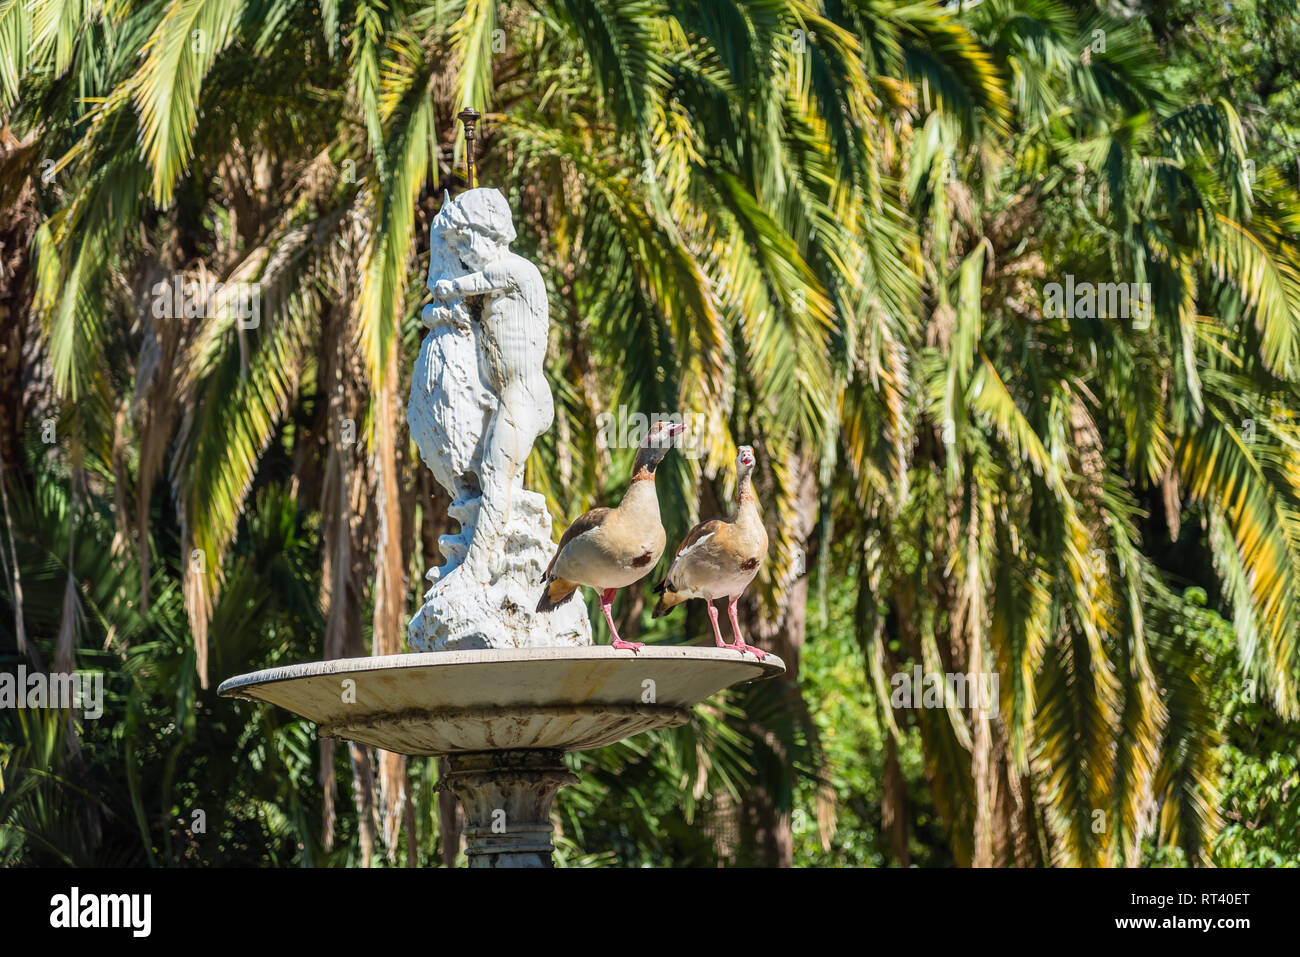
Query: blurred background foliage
(825,227)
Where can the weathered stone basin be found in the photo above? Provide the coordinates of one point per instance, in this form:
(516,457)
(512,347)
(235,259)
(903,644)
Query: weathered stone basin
(503,717)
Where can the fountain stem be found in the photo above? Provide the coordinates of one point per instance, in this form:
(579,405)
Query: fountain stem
(507,798)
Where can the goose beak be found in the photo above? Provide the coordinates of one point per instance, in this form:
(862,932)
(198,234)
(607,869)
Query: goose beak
(676,430)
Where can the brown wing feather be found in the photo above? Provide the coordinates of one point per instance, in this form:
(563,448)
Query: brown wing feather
(694,535)
(583,523)
(699,531)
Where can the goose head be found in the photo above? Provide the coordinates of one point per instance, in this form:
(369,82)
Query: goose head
(656,444)
(744,461)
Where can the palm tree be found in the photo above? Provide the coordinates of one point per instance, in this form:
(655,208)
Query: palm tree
(1048,445)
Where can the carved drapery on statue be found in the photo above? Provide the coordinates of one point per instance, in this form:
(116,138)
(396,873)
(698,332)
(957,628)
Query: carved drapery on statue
(479,399)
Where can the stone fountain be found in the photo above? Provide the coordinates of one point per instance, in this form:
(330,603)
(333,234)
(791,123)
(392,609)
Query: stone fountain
(499,690)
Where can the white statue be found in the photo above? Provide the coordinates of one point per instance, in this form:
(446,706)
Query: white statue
(479,399)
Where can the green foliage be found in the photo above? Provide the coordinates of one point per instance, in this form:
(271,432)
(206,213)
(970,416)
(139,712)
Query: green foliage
(1260,764)
(124,788)
(837,815)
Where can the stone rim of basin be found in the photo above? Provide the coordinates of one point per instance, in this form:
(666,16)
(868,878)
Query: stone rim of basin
(450,702)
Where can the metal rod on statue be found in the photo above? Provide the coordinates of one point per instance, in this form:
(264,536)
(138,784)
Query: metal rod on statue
(469,116)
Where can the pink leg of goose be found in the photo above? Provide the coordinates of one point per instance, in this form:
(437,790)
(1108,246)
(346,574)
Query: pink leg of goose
(735,630)
(606,604)
(717,632)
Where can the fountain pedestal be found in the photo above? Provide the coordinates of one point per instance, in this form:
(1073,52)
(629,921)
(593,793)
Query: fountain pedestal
(507,799)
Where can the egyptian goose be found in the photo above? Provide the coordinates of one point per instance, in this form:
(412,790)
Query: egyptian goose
(610,548)
(719,558)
